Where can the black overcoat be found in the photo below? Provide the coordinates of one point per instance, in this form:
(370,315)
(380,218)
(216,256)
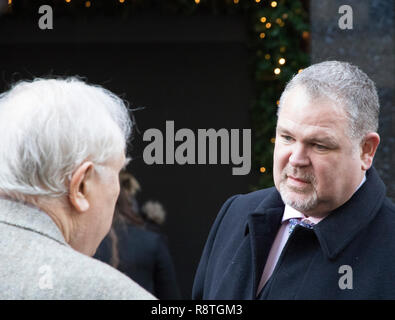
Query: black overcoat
(348,255)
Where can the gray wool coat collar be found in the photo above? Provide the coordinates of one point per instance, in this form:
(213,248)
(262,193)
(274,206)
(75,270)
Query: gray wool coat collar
(29,217)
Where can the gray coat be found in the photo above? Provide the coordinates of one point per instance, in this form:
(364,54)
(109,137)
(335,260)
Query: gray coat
(37,263)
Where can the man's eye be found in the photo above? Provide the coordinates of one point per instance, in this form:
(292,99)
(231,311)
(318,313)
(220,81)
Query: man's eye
(321,147)
(287,138)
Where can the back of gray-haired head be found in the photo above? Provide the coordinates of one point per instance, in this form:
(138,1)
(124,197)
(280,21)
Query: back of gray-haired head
(48,127)
(346,85)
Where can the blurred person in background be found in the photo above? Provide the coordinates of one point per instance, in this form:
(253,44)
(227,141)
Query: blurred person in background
(139,253)
(154,215)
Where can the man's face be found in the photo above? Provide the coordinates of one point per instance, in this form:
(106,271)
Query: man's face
(317,167)
(106,185)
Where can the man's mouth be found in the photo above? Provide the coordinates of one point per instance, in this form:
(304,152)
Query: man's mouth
(296,180)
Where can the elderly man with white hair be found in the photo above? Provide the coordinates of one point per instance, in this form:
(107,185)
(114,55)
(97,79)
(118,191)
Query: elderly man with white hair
(62,147)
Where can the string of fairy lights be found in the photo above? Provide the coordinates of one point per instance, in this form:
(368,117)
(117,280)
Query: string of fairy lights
(280,37)
(278,42)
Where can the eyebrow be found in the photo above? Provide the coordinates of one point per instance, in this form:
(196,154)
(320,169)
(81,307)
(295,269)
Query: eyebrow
(327,139)
(284,130)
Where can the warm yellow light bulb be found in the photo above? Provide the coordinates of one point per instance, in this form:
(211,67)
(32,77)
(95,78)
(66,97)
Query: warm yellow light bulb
(268,25)
(9,2)
(121,1)
(262,169)
(235,1)
(87,4)
(197,1)
(257,1)
(263,19)
(273,140)
(300,70)
(274,4)
(281,61)
(267,56)
(68,1)
(262,35)
(277,71)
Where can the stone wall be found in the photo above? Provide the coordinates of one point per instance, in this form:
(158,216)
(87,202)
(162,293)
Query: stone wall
(369,45)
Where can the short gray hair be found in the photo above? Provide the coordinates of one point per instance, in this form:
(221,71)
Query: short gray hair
(346,85)
(48,127)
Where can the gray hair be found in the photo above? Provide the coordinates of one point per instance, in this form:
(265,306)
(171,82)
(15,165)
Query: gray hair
(48,127)
(346,85)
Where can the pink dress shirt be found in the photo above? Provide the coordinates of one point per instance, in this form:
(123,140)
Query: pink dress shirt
(281,239)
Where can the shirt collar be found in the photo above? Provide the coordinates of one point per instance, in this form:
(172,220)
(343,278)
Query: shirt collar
(291,213)
(339,228)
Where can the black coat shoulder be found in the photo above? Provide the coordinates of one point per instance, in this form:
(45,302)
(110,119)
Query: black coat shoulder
(243,204)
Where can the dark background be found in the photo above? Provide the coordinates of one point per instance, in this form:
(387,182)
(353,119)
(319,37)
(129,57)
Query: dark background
(192,70)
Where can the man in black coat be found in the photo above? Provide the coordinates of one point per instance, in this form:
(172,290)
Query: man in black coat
(326,230)
(144,257)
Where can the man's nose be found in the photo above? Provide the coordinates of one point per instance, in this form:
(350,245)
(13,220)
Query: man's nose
(299,156)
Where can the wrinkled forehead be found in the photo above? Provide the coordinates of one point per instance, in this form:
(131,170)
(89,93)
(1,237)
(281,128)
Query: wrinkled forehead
(309,133)
(302,112)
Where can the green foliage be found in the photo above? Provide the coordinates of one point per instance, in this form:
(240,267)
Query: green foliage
(287,38)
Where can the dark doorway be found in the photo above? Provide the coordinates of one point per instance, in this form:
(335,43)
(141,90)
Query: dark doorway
(191,70)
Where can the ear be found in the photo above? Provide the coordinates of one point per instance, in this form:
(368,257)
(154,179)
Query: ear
(368,149)
(78,187)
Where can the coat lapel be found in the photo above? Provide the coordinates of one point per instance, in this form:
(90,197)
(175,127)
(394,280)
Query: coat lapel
(262,227)
(342,225)
(241,276)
